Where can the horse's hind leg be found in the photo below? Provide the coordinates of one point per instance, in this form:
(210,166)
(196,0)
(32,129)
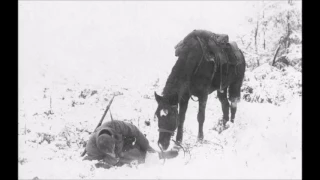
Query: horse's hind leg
(234,97)
(224,104)
(201,113)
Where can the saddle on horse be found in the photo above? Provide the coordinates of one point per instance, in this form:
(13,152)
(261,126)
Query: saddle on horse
(215,47)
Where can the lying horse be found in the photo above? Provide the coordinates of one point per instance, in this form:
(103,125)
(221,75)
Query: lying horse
(203,66)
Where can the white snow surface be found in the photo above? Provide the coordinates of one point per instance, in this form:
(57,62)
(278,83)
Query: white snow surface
(264,142)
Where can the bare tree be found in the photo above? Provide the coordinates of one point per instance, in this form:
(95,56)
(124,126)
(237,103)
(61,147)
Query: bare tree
(277,51)
(289,31)
(264,30)
(255,40)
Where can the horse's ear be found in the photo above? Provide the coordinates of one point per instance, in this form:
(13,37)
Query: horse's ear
(158,98)
(174,99)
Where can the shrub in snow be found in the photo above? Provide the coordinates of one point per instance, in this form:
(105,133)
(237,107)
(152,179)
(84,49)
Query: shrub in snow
(294,56)
(270,84)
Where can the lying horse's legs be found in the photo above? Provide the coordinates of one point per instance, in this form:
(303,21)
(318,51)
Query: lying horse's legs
(201,113)
(224,104)
(234,97)
(183,105)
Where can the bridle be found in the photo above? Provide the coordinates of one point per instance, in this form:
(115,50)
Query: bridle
(171,131)
(172,134)
(167,131)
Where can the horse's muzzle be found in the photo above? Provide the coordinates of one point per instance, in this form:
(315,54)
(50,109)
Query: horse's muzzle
(163,145)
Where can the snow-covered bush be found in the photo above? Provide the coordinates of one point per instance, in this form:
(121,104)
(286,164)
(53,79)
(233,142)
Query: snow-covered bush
(294,56)
(270,84)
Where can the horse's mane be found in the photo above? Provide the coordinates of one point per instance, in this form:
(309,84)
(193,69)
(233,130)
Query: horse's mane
(184,67)
(181,72)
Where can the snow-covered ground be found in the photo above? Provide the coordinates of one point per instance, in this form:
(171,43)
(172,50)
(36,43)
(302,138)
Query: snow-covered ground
(66,79)
(264,142)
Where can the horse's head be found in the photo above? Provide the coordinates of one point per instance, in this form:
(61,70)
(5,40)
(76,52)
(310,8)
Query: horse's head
(167,115)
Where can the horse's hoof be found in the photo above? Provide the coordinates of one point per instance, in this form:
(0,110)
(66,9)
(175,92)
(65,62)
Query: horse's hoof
(222,122)
(176,147)
(217,127)
(177,142)
(229,125)
(199,140)
(221,128)
(200,137)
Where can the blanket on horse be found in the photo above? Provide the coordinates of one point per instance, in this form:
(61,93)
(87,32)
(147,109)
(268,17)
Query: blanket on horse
(215,47)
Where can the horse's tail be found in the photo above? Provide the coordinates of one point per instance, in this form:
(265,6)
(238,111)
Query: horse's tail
(243,58)
(241,63)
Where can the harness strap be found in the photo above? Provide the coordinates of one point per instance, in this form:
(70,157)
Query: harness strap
(165,130)
(215,66)
(202,57)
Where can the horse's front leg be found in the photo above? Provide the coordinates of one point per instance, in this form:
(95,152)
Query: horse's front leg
(183,105)
(201,113)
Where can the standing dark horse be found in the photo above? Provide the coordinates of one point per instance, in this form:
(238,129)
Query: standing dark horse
(198,72)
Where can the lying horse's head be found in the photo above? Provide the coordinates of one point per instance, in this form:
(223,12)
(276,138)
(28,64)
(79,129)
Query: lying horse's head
(167,115)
